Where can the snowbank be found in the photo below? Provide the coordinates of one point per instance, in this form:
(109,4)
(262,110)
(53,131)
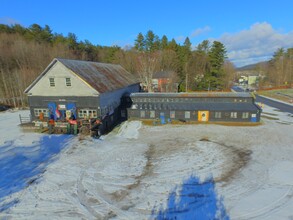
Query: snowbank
(130,129)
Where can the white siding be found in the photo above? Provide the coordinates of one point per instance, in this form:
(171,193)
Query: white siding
(59,72)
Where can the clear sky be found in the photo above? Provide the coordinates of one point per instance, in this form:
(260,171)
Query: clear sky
(251,30)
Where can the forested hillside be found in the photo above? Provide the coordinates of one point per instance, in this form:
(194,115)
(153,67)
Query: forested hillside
(25,52)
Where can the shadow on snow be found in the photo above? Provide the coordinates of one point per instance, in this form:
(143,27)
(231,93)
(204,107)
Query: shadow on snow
(21,166)
(192,200)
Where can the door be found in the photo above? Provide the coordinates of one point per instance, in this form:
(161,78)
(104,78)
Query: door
(162,117)
(253,118)
(203,115)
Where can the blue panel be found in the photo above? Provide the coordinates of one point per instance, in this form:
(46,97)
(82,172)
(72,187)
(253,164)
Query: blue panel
(253,119)
(52,110)
(72,108)
(162,117)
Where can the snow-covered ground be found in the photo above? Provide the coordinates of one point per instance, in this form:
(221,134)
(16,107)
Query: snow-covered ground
(133,172)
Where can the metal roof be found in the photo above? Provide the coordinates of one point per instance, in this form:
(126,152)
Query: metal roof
(100,76)
(193,95)
(213,106)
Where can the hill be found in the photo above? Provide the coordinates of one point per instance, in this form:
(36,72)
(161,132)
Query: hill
(252,66)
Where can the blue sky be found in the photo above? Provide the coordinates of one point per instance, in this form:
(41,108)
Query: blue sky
(251,30)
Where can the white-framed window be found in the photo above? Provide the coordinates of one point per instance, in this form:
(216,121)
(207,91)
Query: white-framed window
(245,115)
(172,114)
(233,114)
(45,111)
(187,114)
(87,113)
(52,82)
(68,81)
(152,114)
(218,114)
(142,114)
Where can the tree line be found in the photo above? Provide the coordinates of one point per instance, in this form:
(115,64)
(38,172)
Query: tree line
(25,53)
(278,71)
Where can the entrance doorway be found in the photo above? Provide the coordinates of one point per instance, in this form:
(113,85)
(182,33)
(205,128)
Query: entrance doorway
(203,115)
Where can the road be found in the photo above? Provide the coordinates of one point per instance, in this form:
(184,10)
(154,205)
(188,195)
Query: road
(279,105)
(275,104)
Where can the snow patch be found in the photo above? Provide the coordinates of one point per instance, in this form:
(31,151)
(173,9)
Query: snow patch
(129,129)
(282,173)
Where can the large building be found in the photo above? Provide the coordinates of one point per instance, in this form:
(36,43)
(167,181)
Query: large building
(165,81)
(203,107)
(81,89)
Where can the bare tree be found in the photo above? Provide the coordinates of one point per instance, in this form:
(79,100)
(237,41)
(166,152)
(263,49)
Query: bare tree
(148,64)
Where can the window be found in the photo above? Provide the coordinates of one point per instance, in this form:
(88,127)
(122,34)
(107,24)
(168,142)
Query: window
(152,114)
(233,114)
(245,115)
(68,81)
(37,112)
(172,114)
(187,114)
(142,114)
(52,82)
(218,114)
(123,113)
(87,113)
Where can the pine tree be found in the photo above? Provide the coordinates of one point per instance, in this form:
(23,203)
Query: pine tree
(217,56)
(173,45)
(140,42)
(164,42)
(149,41)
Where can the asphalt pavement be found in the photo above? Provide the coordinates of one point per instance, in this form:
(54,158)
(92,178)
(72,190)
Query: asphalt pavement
(275,104)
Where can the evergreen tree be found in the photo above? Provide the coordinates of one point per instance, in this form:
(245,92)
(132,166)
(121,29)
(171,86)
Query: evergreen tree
(204,47)
(18,29)
(173,45)
(149,41)
(139,42)
(157,43)
(217,56)
(187,44)
(72,41)
(39,34)
(164,42)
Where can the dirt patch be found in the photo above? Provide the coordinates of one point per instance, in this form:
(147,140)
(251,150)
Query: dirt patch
(240,159)
(148,168)
(119,195)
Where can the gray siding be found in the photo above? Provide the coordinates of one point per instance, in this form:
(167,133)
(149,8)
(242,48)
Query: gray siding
(180,115)
(226,107)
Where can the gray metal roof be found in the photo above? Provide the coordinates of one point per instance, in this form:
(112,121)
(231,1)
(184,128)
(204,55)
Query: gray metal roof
(100,76)
(193,95)
(214,106)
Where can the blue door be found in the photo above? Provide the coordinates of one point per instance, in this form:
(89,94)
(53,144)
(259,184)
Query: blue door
(162,117)
(253,118)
